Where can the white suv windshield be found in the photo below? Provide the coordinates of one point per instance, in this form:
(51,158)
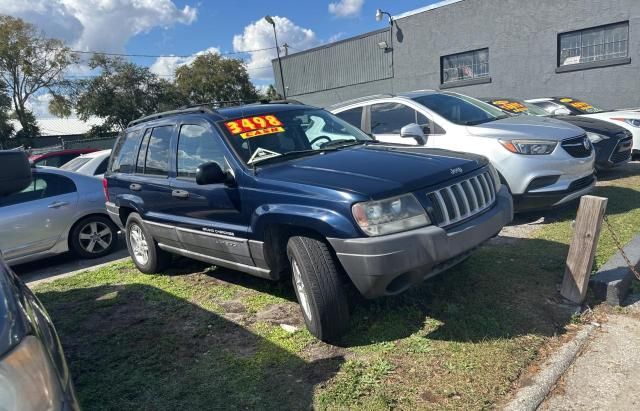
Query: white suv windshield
(460,109)
(75,164)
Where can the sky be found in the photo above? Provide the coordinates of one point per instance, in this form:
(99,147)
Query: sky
(186,28)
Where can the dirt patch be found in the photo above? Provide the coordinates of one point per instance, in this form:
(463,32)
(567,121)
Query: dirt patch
(288,313)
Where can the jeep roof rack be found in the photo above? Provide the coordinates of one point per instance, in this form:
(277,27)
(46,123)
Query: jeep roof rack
(206,108)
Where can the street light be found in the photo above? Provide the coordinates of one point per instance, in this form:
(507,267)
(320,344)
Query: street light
(270,20)
(380,13)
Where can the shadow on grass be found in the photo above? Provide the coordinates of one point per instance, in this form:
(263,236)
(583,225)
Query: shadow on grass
(136,346)
(500,292)
(628,170)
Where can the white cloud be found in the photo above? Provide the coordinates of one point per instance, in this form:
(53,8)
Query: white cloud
(346,8)
(102,25)
(259,35)
(39,105)
(166,66)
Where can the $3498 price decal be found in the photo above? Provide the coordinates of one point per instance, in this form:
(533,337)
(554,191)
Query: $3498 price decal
(255,126)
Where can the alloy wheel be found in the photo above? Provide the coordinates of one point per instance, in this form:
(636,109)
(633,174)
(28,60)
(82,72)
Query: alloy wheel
(95,237)
(303,297)
(139,245)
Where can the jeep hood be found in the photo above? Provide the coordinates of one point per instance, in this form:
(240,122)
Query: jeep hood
(375,171)
(529,127)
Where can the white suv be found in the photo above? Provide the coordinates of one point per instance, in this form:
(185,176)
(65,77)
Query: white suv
(544,162)
(629,119)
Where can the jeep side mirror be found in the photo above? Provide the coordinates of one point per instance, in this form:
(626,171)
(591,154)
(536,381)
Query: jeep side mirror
(211,173)
(414,131)
(15,171)
(561,111)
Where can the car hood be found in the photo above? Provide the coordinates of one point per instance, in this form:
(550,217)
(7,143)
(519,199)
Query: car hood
(530,127)
(594,125)
(614,114)
(377,170)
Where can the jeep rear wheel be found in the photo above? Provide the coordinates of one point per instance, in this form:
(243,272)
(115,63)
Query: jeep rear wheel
(319,287)
(143,249)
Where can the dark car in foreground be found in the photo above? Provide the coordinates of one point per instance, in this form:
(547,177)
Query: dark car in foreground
(271,189)
(611,142)
(59,157)
(33,371)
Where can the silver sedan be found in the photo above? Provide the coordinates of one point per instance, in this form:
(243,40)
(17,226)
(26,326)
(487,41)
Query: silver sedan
(59,211)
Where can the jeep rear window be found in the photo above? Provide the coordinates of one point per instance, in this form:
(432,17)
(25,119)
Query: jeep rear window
(276,134)
(125,152)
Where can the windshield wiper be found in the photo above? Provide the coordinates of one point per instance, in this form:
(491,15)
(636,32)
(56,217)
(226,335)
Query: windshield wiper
(342,143)
(295,153)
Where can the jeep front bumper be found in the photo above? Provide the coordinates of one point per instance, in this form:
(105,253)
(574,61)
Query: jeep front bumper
(390,264)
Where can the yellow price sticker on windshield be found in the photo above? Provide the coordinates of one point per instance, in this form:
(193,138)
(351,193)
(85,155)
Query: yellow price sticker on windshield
(566,100)
(255,126)
(511,106)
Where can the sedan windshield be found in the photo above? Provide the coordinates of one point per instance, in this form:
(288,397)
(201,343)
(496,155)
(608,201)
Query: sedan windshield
(286,134)
(460,109)
(75,164)
(578,107)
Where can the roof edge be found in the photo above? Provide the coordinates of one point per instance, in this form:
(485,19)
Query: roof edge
(430,7)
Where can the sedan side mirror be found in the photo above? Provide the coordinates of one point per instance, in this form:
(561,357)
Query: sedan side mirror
(15,172)
(561,111)
(211,173)
(414,131)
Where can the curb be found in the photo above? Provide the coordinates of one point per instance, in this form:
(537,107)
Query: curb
(612,282)
(532,395)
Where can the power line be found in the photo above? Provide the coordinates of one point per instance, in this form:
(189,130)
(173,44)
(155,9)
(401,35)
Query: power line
(164,55)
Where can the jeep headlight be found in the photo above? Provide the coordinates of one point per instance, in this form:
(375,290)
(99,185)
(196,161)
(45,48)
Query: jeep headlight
(391,215)
(595,137)
(529,147)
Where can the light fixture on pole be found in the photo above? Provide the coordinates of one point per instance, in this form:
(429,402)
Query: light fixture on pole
(270,20)
(380,13)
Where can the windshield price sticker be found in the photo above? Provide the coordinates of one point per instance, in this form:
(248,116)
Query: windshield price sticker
(512,106)
(581,105)
(566,100)
(255,126)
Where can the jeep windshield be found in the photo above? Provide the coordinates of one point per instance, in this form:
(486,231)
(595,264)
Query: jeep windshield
(459,109)
(290,133)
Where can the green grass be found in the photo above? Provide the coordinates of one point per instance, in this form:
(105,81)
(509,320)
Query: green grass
(196,338)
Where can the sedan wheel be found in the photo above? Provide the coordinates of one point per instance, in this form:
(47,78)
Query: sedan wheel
(95,237)
(139,244)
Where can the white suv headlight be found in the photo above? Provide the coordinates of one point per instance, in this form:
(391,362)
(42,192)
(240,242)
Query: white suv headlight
(631,121)
(529,147)
(391,215)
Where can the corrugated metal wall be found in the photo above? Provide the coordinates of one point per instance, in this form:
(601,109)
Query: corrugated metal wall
(341,64)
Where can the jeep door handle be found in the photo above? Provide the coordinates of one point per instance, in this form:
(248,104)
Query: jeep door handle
(180,194)
(135,187)
(58,204)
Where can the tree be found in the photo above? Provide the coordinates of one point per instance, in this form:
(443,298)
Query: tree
(211,78)
(271,93)
(30,63)
(123,92)
(6,128)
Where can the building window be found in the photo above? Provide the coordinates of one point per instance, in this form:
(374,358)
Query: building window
(464,66)
(594,44)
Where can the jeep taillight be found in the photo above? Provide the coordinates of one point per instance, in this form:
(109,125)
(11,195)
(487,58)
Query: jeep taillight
(105,188)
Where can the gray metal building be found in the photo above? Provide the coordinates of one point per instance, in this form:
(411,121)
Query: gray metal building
(588,49)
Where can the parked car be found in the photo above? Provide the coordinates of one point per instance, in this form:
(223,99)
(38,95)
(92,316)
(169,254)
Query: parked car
(58,157)
(544,162)
(247,188)
(611,142)
(91,164)
(59,211)
(570,106)
(33,371)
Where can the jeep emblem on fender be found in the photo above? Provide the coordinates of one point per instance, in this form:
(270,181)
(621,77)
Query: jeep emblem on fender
(456,170)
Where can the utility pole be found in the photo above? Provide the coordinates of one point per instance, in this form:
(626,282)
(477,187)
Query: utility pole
(270,20)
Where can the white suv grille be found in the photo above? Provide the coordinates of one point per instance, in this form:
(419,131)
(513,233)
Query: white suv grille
(463,200)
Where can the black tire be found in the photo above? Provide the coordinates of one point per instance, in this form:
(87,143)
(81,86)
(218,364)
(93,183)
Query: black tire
(93,237)
(139,238)
(326,311)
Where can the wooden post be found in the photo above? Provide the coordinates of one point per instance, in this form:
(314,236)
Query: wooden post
(583,248)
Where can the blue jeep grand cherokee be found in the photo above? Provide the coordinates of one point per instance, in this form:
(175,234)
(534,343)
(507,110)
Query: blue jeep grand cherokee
(271,189)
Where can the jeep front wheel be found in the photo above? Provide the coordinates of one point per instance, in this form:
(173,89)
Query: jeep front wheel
(319,287)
